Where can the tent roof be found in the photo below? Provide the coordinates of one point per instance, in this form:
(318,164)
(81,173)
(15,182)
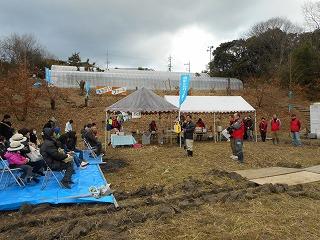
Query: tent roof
(212,104)
(144,101)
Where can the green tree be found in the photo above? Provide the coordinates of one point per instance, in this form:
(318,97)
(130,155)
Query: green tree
(75,60)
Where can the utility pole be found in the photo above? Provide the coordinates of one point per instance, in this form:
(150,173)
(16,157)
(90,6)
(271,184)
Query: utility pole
(188,66)
(170,63)
(108,62)
(210,52)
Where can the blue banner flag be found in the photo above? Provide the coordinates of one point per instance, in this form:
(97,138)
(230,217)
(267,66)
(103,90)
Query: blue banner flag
(87,88)
(48,75)
(184,88)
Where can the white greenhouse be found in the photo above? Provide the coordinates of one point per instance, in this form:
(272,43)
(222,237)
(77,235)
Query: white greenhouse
(68,76)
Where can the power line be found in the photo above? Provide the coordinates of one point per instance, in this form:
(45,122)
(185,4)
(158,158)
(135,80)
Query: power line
(108,62)
(170,63)
(188,66)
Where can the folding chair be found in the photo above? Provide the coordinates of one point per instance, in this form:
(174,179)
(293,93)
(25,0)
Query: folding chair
(10,173)
(90,148)
(48,175)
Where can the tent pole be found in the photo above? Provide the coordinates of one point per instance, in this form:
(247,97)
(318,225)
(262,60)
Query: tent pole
(105,132)
(214,127)
(181,127)
(255,124)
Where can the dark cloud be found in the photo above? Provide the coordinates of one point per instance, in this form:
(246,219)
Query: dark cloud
(137,33)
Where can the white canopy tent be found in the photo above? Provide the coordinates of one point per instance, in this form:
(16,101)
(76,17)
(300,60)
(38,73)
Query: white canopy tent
(214,104)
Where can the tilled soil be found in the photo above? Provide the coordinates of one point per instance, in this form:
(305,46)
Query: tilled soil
(144,204)
(164,195)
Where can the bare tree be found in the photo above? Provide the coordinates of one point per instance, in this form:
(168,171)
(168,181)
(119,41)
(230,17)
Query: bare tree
(20,93)
(311,11)
(19,48)
(282,24)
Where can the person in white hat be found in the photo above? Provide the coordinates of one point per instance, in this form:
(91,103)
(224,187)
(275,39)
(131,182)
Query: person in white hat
(16,160)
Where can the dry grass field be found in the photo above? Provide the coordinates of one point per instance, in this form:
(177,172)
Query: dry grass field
(164,195)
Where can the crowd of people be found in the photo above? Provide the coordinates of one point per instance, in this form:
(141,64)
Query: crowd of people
(240,129)
(55,150)
(58,151)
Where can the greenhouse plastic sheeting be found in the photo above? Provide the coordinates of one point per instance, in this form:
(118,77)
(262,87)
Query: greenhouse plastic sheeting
(133,79)
(13,196)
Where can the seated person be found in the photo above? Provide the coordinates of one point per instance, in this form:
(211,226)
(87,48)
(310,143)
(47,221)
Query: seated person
(68,142)
(36,162)
(6,129)
(91,138)
(153,127)
(22,137)
(3,146)
(33,137)
(115,123)
(50,124)
(56,133)
(56,159)
(200,124)
(84,130)
(16,160)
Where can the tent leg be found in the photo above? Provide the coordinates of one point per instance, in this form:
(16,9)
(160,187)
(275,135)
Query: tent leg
(214,127)
(255,125)
(105,133)
(181,129)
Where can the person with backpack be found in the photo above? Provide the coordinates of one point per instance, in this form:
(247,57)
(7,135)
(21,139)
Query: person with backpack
(275,128)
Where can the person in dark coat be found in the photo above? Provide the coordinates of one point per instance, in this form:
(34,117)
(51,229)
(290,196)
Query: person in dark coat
(68,142)
(33,136)
(6,129)
(263,127)
(51,123)
(92,139)
(3,146)
(56,160)
(188,130)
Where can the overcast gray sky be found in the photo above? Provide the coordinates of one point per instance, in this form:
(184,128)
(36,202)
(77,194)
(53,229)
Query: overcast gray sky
(142,32)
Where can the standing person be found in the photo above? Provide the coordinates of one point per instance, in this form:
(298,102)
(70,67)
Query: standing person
(295,127)
(275,128)
(69,126)
(237,134)
(263,126)
(188,128)
(230,131)
(5,127)
(249,128)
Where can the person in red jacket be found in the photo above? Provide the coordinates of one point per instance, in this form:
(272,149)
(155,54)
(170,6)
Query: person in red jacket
(295,127)
(275,128)
(237,135)
(263,126)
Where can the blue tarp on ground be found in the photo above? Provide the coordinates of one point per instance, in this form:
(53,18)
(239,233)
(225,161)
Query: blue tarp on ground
(13,196)
(91,160)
